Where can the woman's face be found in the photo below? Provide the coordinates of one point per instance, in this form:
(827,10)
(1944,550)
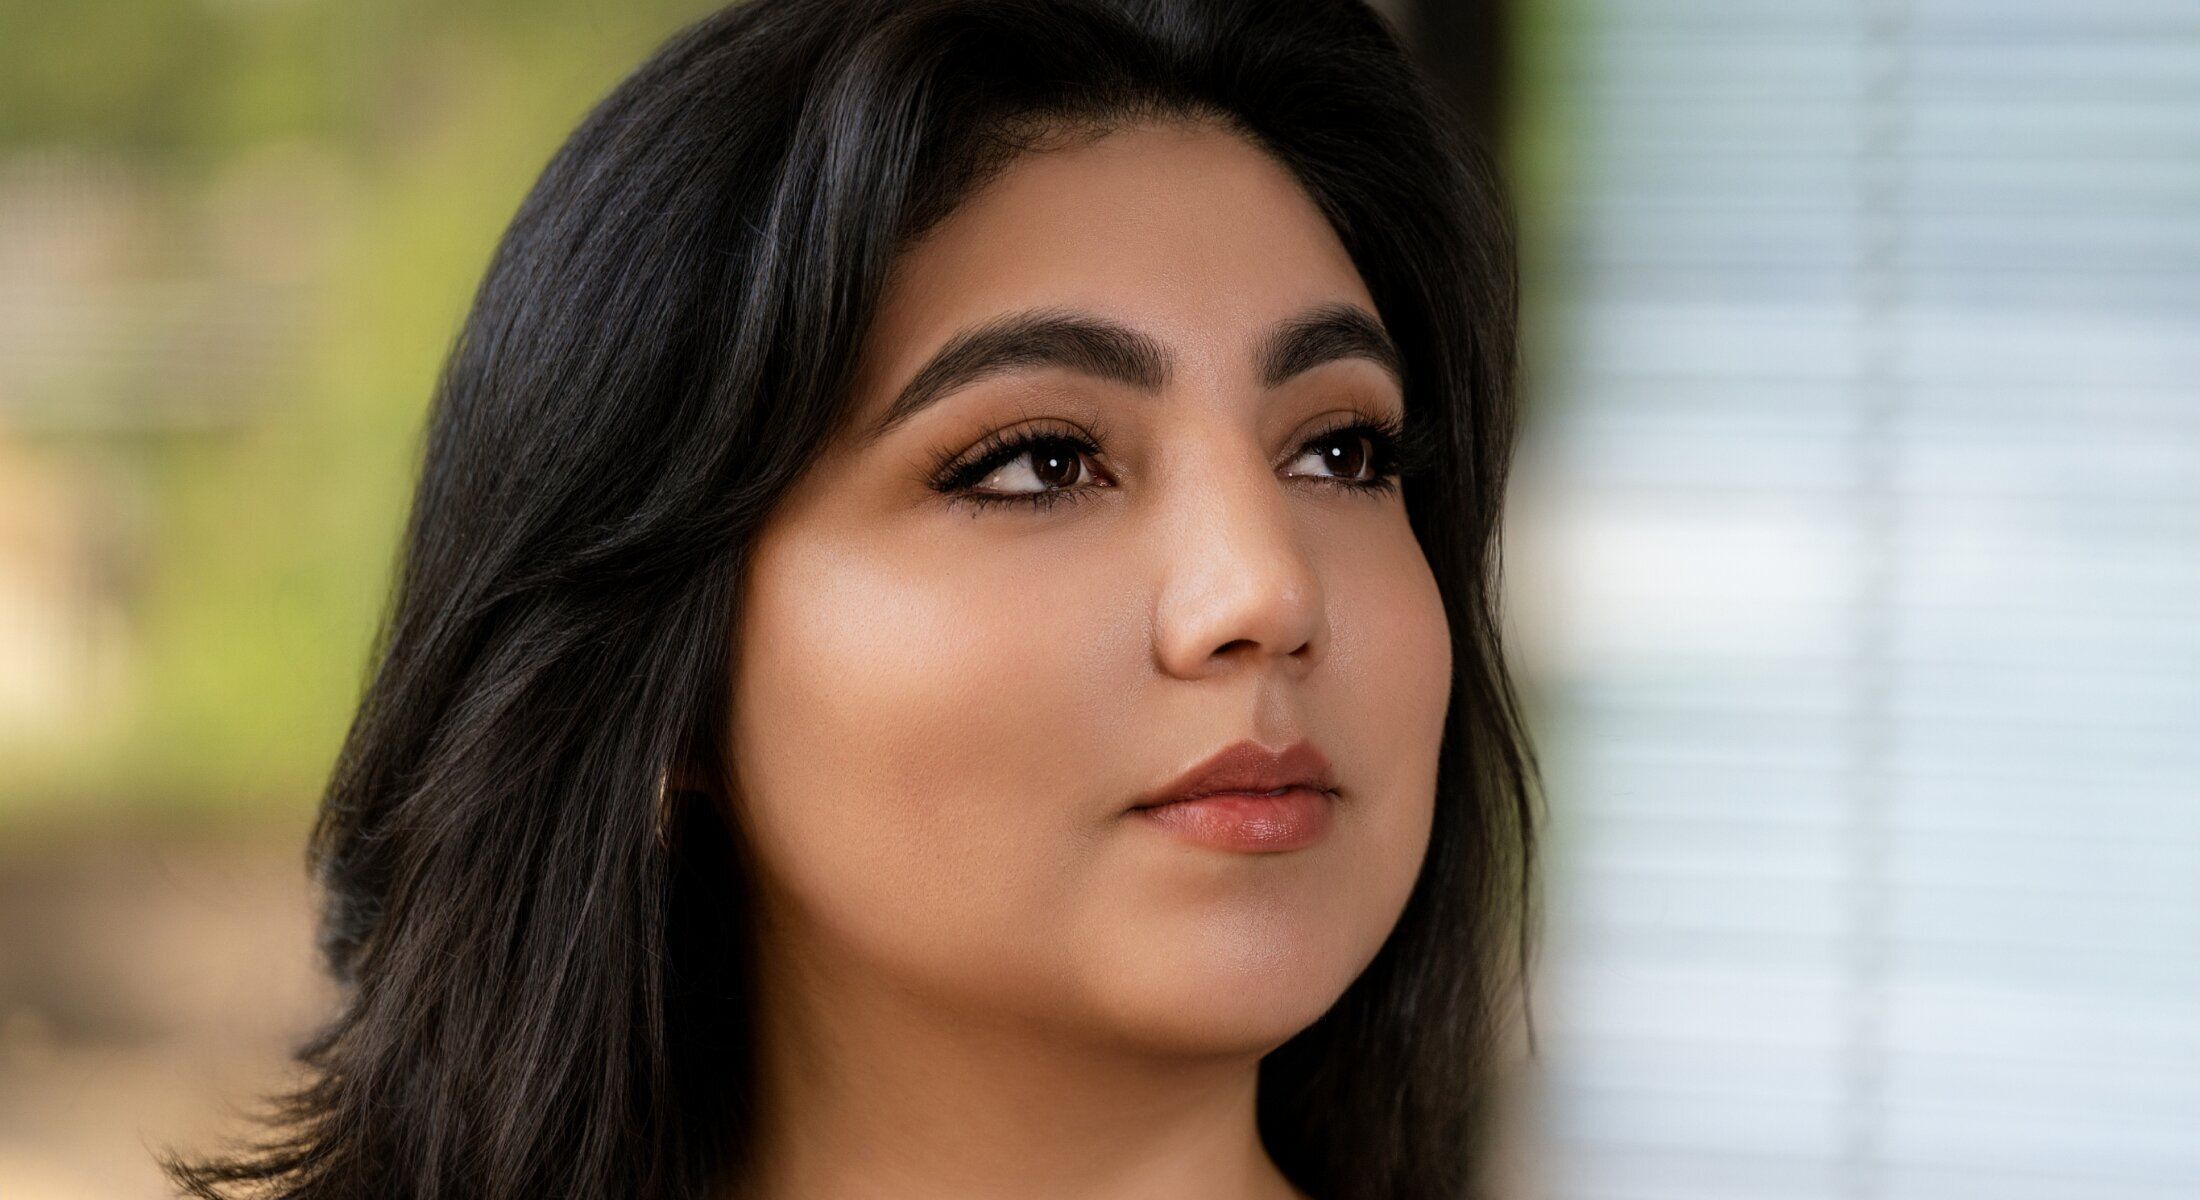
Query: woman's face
(944,710)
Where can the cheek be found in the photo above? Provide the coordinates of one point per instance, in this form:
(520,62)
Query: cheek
(1404,680)
(898,742)
(1390,696)
(1390,682)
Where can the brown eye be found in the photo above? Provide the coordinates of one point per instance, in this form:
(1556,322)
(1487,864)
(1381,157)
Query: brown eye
(1050,462)
(1035,469)
(1352,454)
(1346,453)
(1367,455)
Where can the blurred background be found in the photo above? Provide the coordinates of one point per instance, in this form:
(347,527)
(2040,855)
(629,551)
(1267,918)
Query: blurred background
(1854,564)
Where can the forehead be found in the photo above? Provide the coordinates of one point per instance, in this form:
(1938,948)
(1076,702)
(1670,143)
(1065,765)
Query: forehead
(1186,231)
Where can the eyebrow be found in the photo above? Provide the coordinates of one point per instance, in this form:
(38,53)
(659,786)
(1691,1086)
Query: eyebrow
(1106,349)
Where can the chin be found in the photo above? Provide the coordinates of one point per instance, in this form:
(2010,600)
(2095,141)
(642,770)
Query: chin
(1232,987)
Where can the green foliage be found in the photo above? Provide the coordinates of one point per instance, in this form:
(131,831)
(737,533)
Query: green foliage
(392,140)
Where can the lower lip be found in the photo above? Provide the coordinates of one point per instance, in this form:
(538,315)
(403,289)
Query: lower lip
(1248,822)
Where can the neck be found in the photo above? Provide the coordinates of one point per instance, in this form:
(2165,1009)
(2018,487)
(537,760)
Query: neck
(874,1091)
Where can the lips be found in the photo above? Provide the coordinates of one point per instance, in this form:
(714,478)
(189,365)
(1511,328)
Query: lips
(1248,767)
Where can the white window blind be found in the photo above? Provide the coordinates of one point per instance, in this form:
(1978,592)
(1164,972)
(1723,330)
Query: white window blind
(1875,401)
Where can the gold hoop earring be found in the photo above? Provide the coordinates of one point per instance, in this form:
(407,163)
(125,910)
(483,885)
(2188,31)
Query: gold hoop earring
(664,810)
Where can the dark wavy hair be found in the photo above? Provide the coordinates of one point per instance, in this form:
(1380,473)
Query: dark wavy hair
(545,989)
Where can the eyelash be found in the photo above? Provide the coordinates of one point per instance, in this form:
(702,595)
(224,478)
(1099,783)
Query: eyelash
(1395,454)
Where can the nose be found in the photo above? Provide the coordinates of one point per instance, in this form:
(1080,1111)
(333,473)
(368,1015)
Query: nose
(1239,589)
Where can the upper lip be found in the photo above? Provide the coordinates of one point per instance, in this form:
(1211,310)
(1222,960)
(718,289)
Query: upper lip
(1248,766)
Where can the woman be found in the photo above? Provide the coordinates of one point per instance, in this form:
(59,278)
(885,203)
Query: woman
(946,643)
